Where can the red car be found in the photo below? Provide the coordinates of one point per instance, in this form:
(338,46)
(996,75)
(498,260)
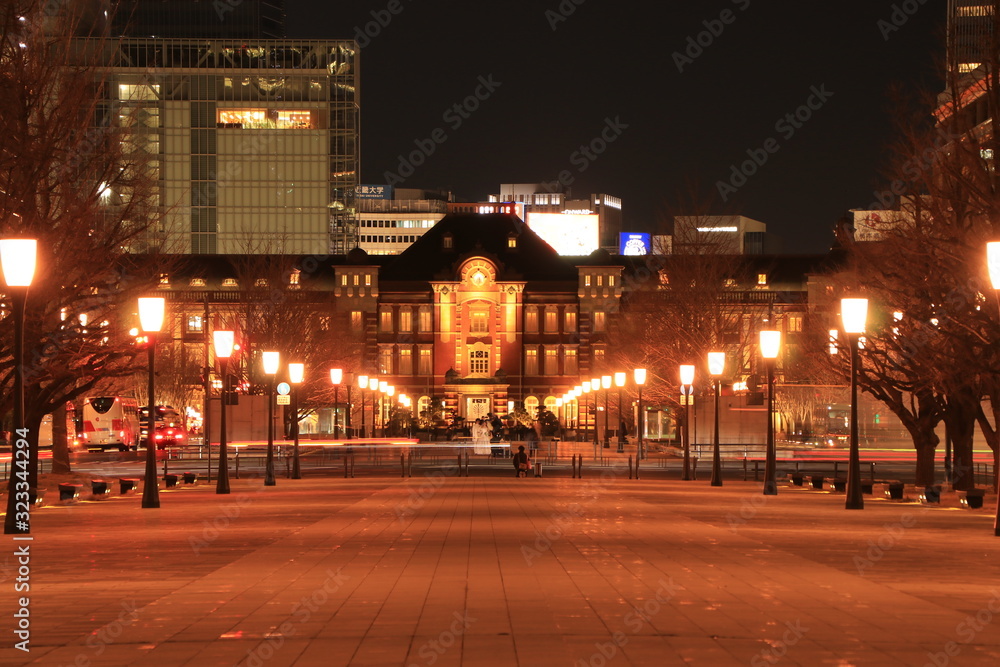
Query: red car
(169,435)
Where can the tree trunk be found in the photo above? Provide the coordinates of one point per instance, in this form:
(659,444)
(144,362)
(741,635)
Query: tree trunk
(961,418)
(60,442)
(926,447)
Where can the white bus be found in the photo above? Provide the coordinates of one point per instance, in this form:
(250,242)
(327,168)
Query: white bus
(110,422)
(45,429)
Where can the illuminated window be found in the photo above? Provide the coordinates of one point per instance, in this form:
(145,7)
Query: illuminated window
(164,280)
(531,361)
(552,361)
(570,321)
(479,362)
(385,320)
(531,320)
(356,320)
(260,282)
(424,362)
(512,241)
(405,320)
(406,361)
(570,365)
(197,282)
(266,119)
(230,282)
(586,281)
(794,323)
(425,320)
(600,281)
(368,280)
(195,324)
(385,360)
(611,281)
(479,321)
(424,406)
(762,279)
(550,404)
(551,320)
(599,321)
(531,406)
(355,280)
(293,277)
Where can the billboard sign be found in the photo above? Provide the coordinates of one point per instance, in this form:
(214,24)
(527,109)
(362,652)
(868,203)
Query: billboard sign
(633,243)
(572,235)
(373,191)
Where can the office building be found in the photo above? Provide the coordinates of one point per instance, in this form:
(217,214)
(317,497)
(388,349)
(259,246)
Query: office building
(391,219)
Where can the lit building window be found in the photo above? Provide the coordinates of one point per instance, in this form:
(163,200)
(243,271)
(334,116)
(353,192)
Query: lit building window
(600,281)
(551,320)
(164,280)
(368,280)
(356,320)
(266,119)
(586,281)
(479,321)
(531,361)
(600,322)
(197,282)
(355,280)
(293,277)
(230,282)
(512,241)
(552,361)
(261,282)
(405,320)
(570,321)
(531,320)
(424,362)
(479,362)
(531,406)
(343,280)
(794,323)
(762,279)
(424,406)
(406,361)
(385,360)
(550,404)
(570,365)
(425,320)
(195,324)
(385,320)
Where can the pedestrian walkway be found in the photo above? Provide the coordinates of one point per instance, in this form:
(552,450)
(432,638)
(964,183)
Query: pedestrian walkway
(439,570)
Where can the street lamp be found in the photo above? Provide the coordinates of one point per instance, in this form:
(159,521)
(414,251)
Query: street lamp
(373,383)
(716,366)
(18,259)
(383,386)
(296,373)
(272,361)
(363,384)
(336,377)
(606,384)
(770,345)
(639,377)
(687,379)
(854,314)
(151,320)
(993,263)
(390,391)
(620,378)
(224,343)
(595,385)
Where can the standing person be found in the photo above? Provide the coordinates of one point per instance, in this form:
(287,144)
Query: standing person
(481,436)
(497,427)
(522,462)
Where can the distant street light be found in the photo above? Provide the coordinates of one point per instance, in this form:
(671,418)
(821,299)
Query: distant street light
(854,315)
(770,345)
(151,311)
(716,366)
(17,257)
(296,373)
(639,376)
(687,380)
(224,342)
(272,361)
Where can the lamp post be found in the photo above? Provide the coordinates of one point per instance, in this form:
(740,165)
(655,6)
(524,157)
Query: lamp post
(336,377)
(595,385)
(620,382)
(373,384)
(272,361)
(382,387)
(606,384)
(390,391)
(224,342)
(993,264)
(151,320)
(716,366)
(639,377)
(770,345)
(18,259)
(854,315)
(584,390)
(296,373)
(363,384)
(348,409)
(687,379)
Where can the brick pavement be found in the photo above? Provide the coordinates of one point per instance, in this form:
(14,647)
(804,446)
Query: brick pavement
(436,570)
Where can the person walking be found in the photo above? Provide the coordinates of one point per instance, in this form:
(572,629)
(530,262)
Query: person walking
(522,462)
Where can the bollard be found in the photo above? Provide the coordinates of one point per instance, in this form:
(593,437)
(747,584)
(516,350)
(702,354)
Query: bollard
(637,468)
(630,466)
(574,466)
(538,469)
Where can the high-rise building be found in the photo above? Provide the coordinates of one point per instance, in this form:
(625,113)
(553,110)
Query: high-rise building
(541,198)
(391,219)
(254,142)
(721,234)
(970,34)
(190,19)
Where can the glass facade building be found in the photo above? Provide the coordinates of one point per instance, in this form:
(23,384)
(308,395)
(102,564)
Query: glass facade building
(254,143)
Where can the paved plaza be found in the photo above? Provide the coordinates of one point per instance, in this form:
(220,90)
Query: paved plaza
(446,570)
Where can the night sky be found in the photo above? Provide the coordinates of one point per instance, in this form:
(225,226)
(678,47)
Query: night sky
(607,65)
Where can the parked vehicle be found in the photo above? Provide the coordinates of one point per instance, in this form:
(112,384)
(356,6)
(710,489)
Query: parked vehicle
(169,428)
(110,422)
